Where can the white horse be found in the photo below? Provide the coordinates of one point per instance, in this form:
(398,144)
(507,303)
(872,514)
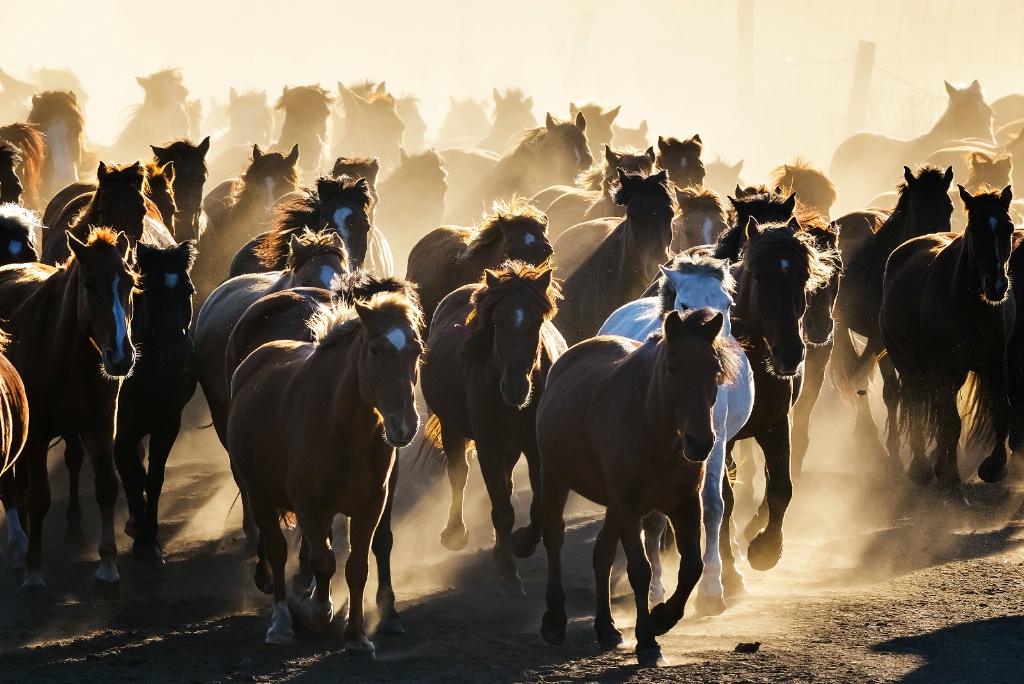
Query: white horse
(695,281)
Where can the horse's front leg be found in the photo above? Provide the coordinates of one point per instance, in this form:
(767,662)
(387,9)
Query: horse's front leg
(498,479)
(655,525)
(765,549)
(711,592)
(686,520)
(638,569)
(74,457)
(317,609)
(99,445)
(608,636)
(813,379)
(525,539)
(891,395)
(361,527)
(947,437)
(732,580)
(993,468)
(383,541)
(454,537)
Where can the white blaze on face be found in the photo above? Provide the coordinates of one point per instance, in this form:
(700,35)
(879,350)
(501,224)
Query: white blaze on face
(58,147)
(14,248)
(120,320)
(327,275)
(682,163)
(340,217)
(529,238)
(170,280)
(397,338)
(785,266)
(271,196)
(518,317)
(708,225)
(992,222)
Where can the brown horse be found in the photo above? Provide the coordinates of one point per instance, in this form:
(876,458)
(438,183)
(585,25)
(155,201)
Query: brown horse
(13,410)
(613,420)
(722,176)
(163,115)
(465,123)
(18,229)
(190,174)
(701,220)
(313,430)
(414,200)
(449,257)
(488,355)
(306,110)
(815,189)
(622,259)
(62,123)
(372,125)
(681,158)
(631,137)
(338,204)
(513,114)
(947,314)
(71,343)
(600,134)
(235,210)
(27,171)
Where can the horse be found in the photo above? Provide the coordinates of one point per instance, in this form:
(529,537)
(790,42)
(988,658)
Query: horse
(62,123)
(14,409)
(863,161)
(190,175)
(70,330)
(947,315)
(722,176)
(701,220)
(613,420)
(235,210)
(338,204)
(681,158)
(449,257)
(313,431)
(551,155)
(991,170)
(372,125)
(594,194)
(414,200)
(488,355)
(306,109)
(414,135)
(250,121)
(18,229)
(694,281)
(923,207)
(601,121)
(163,115)
(631,137)
(465,122)
(624,260)
(815,189)
(513,114)
(315,259)
(23,170)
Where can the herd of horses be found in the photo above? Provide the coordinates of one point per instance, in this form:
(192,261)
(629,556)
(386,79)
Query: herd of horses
(616,315)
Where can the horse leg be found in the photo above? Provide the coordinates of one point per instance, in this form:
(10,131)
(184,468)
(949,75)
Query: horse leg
(554,494)
(765,549)
(12,500)
(99,444)
(732,580)
(74,457)
(638,569)
(743,483)
(608,636)
(686,520)
(891,396)
(711,593)
(454,536)
(525,539)
(921,470)
(947,436)
(814,378)
(273,549)
(133,477)
(248,521)
(865,431)
(746,473)
(304,575)
(37,504)
(498,479)
(160,444)
(993,468)
(361,526)
(317,609)
(655,524)
(383,541)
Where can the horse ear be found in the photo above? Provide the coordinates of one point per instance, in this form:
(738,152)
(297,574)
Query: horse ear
(696,139)
(1006,196)
(187,251)
(950,90)
(382,88)
(610,115)
(965,196)
(337,241)
(908,175)
(643,127)
(610,156)
(293,156)
(549,121)
(75,246)
(365,313)
(528,102)
(738,192)
(672,328)
(123,244)
(975,87)
(737,167)
(544,280)
(790,203)
(497,96)
(232,95)
(793,224)
(294,243)
(204,146)
(660,177)
(491,278)
(948,176)
(572,110)
(167,171)
(256,152)
(662,145)
(752,228)
(157,151)
(650,153)
(141,81)
(101,170)
(710,328)
(581,121)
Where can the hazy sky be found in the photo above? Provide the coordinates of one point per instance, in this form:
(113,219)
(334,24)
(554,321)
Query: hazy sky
(672,62)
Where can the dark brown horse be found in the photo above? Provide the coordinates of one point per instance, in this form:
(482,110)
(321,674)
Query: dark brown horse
(947,314)
(190,174)
(71,342)
(627,426)
(815,189)
(489,351)
(313,430)
(513,114)
(62,123)
(163,115)
(449,257)
(306,110)
(337,204)
(624,258)
(681,158)
(414,201)
(18,229)
(26,172)
(600,134)
(13,410)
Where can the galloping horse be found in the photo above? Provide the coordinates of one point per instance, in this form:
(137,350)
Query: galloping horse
(190,174)
(947,314)
(313,430)
(490,348)
(681,159)
(372,125)
(163,115)
(71,342)
(62,124)
(613,420)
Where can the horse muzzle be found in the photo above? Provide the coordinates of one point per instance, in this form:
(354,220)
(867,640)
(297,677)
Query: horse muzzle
(994,289)
(786,360)
(118,363)
(399,432)
(697,449)
(516,393)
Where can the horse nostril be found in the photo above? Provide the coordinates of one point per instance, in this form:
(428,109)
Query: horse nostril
(695,449)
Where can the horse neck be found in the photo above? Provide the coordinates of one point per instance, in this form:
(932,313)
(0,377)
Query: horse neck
(643,245)
(655,420)
(342,366)
(60,293)
(744,323)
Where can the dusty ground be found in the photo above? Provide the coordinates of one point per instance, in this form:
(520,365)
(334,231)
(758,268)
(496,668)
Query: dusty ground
(878,582)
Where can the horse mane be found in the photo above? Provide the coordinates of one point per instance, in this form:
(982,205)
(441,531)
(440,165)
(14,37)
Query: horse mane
(414,163)
(727,350)
(361,284)
(303,212)
(698,198)
(775,236)
(308,97)
(239,186)
(928,172)
(18,219)
(177,146)
(339,322)
(701,265)
(761,200)
(602,176)
(52,104)
(357,167)
(311,244)
(640,182)
(31,143)
(815,186)
(89,212)
(489,231)
(171,74)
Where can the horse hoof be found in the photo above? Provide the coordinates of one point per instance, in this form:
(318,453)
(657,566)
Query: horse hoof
(553,635)
(661,620)
(129,527)
(280,636)
(360,649)
(455,538)
(150,554)
(610,641)
(992,469)
(391,624)
(920,472)
(764,552)
(709,604)
(511,586)
(34,582)
(651,657)
(657,594)
(107,590)
(524,543)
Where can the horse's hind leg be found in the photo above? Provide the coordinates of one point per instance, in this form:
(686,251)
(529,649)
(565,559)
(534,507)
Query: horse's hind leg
(655,525)
(496,469)
(74,457)
(608,636)
(454,536)
(161,442)
(638,569)
(891,396)
(37,505)
(947,436)
(99,444)
(383,541)
(249,525)
(993,468)
(766,548)
(133,477)
(554,495)
(814,378)
(525,539)
(361,526)
(274,550)
(711,593)
(732,580)
(13,500)
(687,521)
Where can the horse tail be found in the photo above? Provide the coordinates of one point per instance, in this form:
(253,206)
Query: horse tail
(430,450)
(980,400)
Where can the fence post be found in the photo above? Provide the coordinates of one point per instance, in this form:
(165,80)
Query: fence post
(860,93)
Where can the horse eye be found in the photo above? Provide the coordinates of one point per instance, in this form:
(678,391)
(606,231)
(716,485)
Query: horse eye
(374,351)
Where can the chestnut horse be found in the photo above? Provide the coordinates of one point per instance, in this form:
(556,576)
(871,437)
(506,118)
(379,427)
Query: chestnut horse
(313,430)
(613,420)
(488,355)
(947,314)
(681,159)
(449,257)
(71,342)
(13,410)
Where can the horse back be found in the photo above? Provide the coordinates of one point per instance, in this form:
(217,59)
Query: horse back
(580,242)
(278,316)
(55,246)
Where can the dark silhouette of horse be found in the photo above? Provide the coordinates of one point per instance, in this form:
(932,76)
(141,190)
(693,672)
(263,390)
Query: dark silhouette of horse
(361,368)
(414,135)
(190,174)
(624,260)
(11,187)
(947,314)
(513,115)
(414,201)
(14,409)
(22,171)
(62,123)
(489,351)
(250,121)
(449,257)
(71,343)
(163,115)
(815,189)
(613,420)
(18,228)
(681,158)
(306,110)
(600,121)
